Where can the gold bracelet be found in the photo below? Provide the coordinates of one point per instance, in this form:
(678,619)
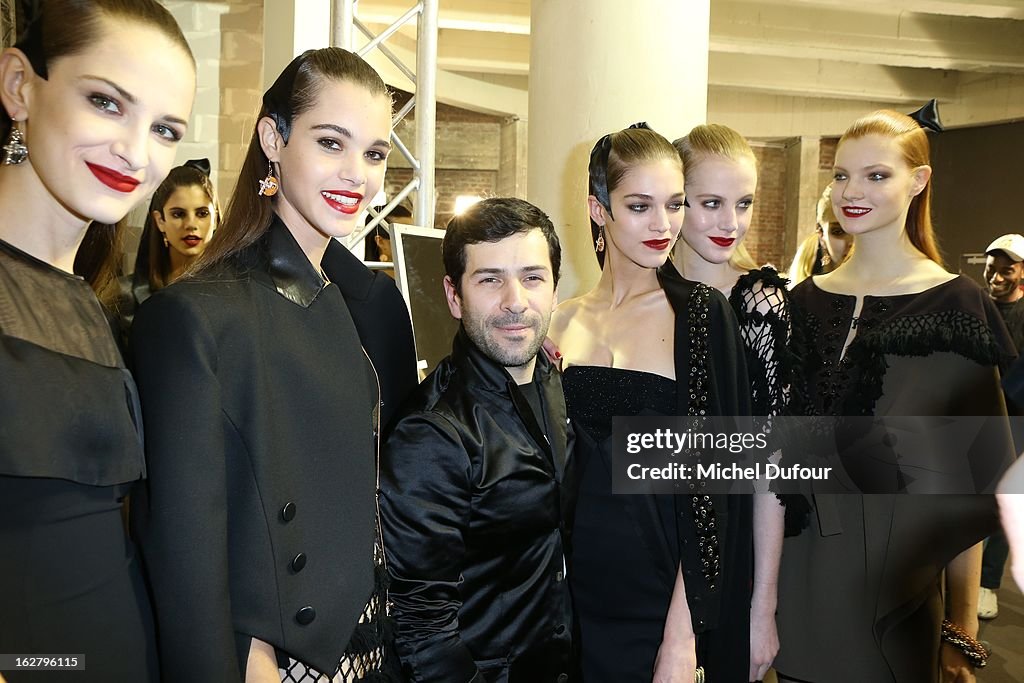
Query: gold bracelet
(974,651)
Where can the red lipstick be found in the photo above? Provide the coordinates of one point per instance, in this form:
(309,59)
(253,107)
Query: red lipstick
(723,241)
(113,179)
(855,211)
(660,245)
(192,240)
(342,200)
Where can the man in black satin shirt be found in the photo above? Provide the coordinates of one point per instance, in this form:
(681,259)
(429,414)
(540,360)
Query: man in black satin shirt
(474,492)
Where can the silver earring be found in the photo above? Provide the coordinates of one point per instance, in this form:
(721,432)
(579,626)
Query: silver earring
(15,151)
(599,242)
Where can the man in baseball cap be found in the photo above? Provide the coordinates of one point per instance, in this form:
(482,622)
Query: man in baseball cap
(1004,270)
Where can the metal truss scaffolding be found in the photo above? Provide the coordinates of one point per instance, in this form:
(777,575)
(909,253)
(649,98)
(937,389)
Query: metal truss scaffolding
(423,87)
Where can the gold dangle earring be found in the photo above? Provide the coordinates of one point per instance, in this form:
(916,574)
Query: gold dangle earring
(269,185)
(599,242)
(167,245)
(15,151)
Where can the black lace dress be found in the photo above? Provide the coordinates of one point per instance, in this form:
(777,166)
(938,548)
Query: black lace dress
(859,588)
(70,450)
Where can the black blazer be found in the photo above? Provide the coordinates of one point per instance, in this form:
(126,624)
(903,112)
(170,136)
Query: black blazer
(258,519)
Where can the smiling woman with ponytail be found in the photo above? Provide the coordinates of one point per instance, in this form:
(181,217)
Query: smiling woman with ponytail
(266,375)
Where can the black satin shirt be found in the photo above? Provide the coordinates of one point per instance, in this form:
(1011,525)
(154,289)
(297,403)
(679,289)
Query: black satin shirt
(473,495)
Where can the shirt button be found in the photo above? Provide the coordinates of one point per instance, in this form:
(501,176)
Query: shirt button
(288,512)
(298,562)
(559,576)
(560,629)
(563,678)
(305,616)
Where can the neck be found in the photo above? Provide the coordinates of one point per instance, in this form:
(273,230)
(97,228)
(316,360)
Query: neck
(622,279)
(314,246)
(40,225)
(523,374)
(722,276)
(883,254)
(179,264)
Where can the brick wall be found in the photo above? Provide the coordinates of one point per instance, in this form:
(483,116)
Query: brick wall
(467,156)
(765,241)
(226,38)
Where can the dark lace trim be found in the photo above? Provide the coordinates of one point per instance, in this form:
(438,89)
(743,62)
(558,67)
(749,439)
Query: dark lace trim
(704,521)
(918,335)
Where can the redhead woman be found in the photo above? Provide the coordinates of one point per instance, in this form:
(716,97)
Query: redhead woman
(266,377)
(96,96)
(891,333)
(661,584)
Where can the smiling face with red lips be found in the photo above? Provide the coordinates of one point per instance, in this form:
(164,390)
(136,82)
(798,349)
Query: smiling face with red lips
(873,184)
(646,213)
(720,194)
(333,162)
(102,132)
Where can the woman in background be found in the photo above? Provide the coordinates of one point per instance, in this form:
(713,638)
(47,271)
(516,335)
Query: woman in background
(661,584)
(96,96)
(826,248)
(261,503)
(182,218)
(721,183)
(891,333)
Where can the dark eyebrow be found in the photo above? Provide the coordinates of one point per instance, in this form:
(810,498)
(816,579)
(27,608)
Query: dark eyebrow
(641,195)
(503,271)
(131,99)
(346,133)
(125,95)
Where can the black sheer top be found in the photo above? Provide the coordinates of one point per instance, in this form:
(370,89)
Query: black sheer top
(69,407)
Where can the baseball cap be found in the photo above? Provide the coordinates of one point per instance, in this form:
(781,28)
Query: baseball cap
(1012,245)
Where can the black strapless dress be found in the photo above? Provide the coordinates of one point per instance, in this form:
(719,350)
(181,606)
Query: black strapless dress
(619,598)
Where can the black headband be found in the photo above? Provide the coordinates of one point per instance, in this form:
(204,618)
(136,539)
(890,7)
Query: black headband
(201,165)
(277,101)
(928,117)
(599,166)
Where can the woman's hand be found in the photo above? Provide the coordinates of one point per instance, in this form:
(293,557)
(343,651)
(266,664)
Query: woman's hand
(551,351)
(954,665)
(676,661)
(764,642)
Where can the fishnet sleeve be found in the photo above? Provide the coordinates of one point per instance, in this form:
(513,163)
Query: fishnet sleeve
(761,304)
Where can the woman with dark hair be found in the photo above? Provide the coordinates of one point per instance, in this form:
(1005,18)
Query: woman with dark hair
(182,218)
(88,132)
(263,411)
(661,584)
(892,333)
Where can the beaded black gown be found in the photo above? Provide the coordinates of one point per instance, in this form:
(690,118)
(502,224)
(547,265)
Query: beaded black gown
(70,450)
(626,550)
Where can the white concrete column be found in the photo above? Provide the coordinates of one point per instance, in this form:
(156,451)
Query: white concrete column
(290,27)
(597,66)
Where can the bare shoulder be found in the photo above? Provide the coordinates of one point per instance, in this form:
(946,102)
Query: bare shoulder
(563,316)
